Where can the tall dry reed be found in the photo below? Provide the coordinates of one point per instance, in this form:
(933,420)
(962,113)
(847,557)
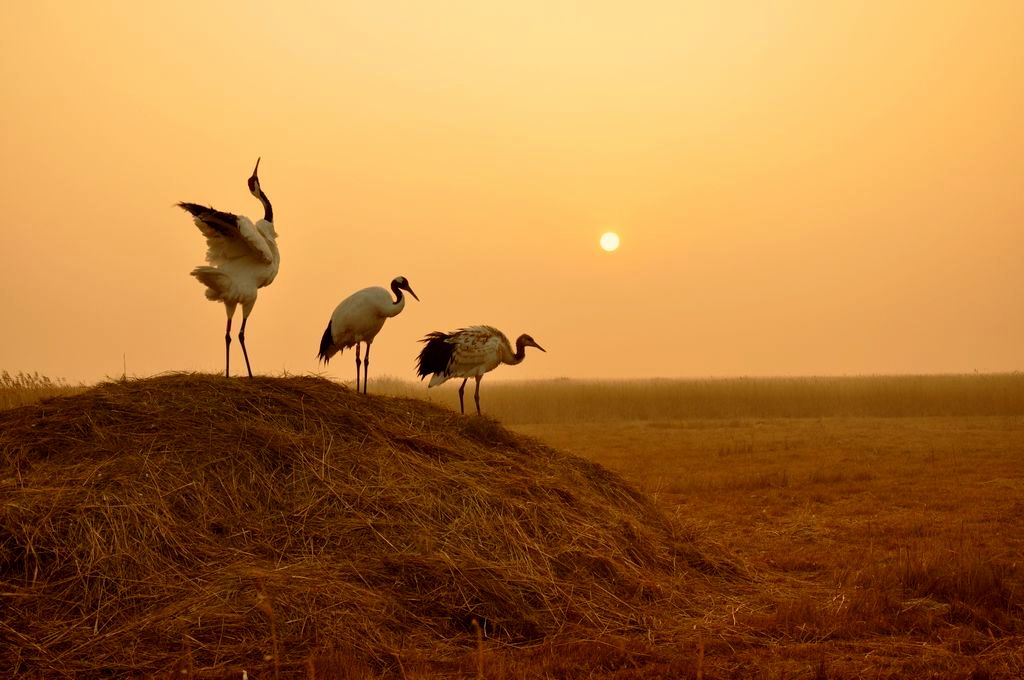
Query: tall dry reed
(568,401)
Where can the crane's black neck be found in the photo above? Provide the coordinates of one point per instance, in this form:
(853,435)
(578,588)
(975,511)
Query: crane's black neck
(520,351)
(397,291)
(268,210)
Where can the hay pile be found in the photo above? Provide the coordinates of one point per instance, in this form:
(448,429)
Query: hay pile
(213,525)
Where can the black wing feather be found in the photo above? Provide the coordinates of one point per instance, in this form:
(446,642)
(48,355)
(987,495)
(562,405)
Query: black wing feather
(435,355)
(224,223)
(325,344)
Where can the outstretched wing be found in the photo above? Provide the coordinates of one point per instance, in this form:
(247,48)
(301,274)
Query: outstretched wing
(228,236)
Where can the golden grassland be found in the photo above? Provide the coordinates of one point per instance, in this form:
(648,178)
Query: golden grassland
(21,389)
(885,547)
(855,527)
(885,514)
(574,401)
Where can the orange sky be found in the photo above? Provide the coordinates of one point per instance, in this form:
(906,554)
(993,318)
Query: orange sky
(801,187)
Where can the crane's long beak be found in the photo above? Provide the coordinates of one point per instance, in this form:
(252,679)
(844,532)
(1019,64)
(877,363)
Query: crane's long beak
(412,293)
(540,348)
(256,169)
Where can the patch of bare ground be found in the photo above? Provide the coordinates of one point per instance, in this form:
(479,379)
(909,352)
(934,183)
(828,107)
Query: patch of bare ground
(195,526)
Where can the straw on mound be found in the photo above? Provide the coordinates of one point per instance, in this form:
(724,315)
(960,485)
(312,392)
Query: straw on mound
(257,523)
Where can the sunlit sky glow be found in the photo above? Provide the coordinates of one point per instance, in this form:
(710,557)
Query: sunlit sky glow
(805,187)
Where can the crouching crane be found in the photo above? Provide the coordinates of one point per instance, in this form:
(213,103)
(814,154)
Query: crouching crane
(468,353)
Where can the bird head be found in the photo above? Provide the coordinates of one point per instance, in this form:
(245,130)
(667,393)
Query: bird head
(254,181)
(403,283)
(527,341)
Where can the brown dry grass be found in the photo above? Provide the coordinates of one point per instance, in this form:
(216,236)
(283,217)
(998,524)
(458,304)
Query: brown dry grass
(195,526)
(875,529)
(884,547)
(21,389)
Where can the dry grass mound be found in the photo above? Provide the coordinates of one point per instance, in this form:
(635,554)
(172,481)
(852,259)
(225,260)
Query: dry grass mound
(195,523)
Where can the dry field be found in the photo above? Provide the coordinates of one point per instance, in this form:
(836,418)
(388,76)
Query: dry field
(884,547)
(831,528)
(883,516)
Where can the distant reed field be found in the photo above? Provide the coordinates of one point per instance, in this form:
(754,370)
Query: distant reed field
(561,401)
(568,400)
(28,388)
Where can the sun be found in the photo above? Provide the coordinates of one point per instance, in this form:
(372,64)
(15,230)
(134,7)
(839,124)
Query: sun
(610,241)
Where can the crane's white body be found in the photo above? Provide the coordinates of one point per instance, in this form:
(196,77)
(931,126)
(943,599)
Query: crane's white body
(243,260)
(359,318)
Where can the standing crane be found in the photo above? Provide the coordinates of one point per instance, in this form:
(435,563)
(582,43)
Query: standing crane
(358,318)
(468,352)
(243,258)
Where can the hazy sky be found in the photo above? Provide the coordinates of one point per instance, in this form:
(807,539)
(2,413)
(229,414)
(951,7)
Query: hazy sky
(801,187)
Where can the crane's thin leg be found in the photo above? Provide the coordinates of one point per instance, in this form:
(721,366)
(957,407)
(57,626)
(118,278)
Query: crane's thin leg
(462,387)
(229,307)
(227,350)
(241,341)
(476,395)
(359,363)
(366,368)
